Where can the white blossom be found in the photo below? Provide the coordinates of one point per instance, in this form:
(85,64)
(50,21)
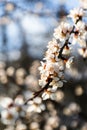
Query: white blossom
(76,14)
(62,31)
(36,105)
(8,116)
(48,94)
(6,102)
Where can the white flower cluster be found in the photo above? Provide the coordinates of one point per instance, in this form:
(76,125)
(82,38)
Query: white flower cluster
(62,32)
(51,69)
(76,14)
(11,110)
(35,105)
(56,58)
(80,32)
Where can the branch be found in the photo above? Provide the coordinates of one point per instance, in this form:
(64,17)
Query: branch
(61,50)
(59,56)
(50,79)
(65,45)
(39,92)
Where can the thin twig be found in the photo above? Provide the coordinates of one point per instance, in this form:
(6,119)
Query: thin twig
(65,44)
(39,92)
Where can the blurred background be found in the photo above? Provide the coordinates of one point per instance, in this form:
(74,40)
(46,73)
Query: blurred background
(26,26)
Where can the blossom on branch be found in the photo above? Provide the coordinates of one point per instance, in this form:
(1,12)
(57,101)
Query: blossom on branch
(76,14)
(62,32)
(57,58)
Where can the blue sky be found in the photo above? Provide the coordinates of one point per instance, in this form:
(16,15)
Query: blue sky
(34,28)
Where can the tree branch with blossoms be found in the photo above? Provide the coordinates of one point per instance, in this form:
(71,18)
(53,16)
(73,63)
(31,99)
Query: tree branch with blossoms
(52,69)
